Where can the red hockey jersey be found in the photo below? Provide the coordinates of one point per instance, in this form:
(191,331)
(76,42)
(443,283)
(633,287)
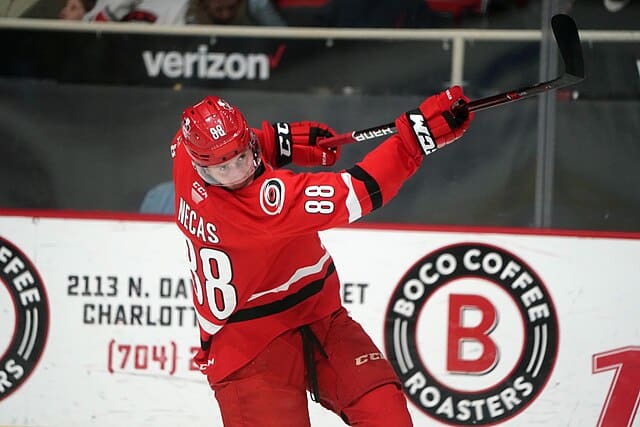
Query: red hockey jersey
(257,263)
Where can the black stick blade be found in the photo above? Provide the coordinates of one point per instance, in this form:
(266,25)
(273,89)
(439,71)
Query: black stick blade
(568,40)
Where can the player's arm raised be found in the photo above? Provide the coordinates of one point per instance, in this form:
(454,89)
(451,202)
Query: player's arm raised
(317,201)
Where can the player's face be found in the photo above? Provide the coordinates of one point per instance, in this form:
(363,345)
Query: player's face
(235,173)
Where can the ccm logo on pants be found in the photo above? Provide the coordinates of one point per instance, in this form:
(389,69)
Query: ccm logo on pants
(361,360)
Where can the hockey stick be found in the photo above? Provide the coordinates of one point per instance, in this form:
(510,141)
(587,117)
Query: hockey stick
(568,41)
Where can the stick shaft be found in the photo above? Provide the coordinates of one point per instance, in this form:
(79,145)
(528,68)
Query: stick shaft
(477,105)
(567,38)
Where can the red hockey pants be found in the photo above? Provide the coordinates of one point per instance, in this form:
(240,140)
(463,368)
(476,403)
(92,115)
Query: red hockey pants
(353,380)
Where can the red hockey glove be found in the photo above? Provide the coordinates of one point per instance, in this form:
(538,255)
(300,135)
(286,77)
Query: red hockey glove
(435,124)
(297,142)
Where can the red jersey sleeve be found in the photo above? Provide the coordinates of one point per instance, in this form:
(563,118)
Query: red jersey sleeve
(307,202)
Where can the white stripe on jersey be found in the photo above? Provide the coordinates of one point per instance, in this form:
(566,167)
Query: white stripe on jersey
(353,204)
(208,327)
(300,273)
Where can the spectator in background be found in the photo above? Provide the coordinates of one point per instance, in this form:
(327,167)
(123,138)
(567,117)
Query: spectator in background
(358,13)
(305,13)
(74,10)
(234,12)
(379,14)
(458,8)
(149,11)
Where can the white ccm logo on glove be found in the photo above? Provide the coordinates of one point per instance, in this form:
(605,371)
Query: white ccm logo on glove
(284,138)
(421,131)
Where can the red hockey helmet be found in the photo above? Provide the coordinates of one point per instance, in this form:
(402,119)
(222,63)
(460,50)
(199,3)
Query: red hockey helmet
(214,131)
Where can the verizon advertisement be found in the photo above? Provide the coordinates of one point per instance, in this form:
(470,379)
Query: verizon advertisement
(225,61)
(483,327)
(206,65)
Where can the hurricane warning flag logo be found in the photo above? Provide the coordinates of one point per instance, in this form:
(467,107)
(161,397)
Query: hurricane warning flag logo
(472,333)
(272,196)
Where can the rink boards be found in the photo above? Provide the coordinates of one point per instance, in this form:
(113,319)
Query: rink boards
(483,327)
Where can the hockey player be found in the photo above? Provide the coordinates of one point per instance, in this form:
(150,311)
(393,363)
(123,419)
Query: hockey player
(265,290)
